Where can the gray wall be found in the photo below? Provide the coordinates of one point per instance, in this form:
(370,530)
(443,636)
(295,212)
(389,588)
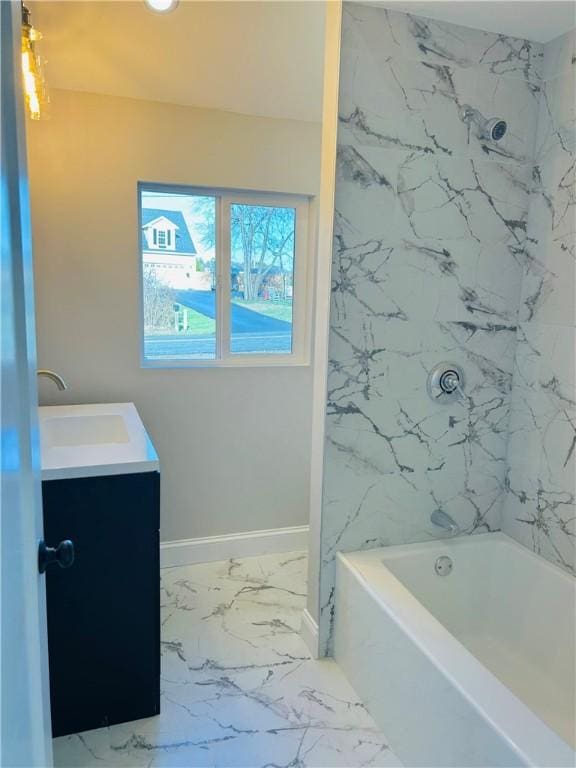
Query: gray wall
(233,444)
(539,509)
(430,233)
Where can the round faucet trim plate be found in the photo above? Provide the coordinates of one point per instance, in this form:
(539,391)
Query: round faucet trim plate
(446,383)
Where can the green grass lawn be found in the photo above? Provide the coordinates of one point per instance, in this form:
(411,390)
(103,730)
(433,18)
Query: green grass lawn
(198,324)
(281,310)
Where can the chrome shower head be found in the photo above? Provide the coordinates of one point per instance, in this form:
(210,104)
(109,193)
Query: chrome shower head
(487,128)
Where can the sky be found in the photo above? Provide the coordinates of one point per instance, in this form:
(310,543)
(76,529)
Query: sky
(187,204)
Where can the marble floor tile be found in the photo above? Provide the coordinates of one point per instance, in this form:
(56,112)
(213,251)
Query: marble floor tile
(239,688)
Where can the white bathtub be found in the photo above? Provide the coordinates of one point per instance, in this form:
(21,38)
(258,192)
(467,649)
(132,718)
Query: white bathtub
(475,668)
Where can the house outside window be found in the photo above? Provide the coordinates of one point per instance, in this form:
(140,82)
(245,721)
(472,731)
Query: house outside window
(224,277)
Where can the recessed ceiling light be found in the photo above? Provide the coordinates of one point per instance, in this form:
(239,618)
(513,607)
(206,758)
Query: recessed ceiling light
(161,6)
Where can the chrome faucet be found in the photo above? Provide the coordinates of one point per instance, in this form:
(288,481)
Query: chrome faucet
(58,380)
(443,520)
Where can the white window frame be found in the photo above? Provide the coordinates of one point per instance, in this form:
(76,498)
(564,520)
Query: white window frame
(301,293)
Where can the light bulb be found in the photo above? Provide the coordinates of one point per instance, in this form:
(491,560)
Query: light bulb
(161,6)
(32,78)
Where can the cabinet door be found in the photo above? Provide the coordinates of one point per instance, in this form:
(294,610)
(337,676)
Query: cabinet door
(104,612)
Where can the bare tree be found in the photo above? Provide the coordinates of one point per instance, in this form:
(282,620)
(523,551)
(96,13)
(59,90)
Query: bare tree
(158,302)
(265,237)
(262,239)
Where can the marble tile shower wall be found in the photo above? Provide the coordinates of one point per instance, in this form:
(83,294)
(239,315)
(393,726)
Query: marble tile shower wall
(430,237)
(539,509)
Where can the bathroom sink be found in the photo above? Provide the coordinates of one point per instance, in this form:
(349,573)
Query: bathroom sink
(84,430)
(95,439)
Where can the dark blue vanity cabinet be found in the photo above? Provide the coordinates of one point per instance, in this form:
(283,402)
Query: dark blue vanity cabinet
(104,611)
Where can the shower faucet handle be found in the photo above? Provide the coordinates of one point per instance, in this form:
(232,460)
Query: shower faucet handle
(446,383)
(450,382)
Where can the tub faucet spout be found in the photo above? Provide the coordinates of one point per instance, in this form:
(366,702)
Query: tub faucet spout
(443,520)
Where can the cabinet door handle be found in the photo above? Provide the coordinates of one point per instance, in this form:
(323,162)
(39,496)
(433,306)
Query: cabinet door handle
(63,554)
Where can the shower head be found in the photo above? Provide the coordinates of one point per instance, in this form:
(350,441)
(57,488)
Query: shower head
(496,128)
(487,128)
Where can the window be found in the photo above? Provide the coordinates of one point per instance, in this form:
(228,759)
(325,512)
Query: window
(161,238)
(231,287)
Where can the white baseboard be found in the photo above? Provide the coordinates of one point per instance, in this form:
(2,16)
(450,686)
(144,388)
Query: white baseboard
(250,544)
(309,633)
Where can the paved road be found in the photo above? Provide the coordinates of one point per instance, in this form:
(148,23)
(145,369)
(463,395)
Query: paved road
(204,347)
(243,320)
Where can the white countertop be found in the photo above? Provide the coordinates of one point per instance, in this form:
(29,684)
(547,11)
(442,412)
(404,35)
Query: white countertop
(93,440)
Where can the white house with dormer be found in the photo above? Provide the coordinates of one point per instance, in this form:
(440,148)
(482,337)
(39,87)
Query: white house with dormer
(168,249)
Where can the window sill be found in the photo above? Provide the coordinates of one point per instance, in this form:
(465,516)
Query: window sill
(245,362)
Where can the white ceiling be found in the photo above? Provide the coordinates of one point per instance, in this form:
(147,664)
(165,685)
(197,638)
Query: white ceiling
(258,57)
(540,20)
(254,57)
